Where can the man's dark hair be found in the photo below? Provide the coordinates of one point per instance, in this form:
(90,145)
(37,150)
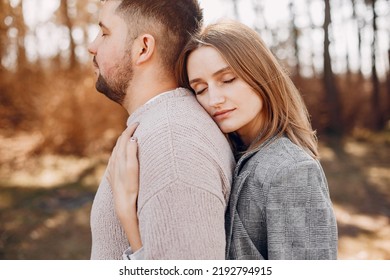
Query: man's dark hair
(171,22)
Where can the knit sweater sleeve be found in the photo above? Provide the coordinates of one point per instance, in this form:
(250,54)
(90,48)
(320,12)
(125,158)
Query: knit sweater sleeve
(300,219)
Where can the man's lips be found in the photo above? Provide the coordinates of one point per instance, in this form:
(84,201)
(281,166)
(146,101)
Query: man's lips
(223,114)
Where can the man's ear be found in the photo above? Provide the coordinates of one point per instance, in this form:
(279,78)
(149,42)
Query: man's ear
(146,48)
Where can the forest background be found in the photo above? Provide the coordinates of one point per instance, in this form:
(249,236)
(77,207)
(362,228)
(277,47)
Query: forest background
(57,132)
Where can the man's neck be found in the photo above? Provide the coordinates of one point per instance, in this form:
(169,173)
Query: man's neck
(142,90)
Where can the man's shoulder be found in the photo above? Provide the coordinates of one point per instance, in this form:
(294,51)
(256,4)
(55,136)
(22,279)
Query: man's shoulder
(180,116)
(178,105)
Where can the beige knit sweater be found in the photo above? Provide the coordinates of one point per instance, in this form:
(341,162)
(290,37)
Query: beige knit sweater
(185,177)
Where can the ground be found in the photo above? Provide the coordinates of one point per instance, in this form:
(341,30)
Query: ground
(45,201)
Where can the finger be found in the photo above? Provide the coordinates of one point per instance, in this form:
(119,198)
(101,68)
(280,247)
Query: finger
(125,136)
(117,143)
(111,166)
(121,149)
(129,131)
(114,154)
(132,153)
(133,166)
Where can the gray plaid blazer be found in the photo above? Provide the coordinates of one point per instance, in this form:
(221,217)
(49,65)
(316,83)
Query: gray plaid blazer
(279,206)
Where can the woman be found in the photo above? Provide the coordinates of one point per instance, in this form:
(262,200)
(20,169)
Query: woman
(279,206)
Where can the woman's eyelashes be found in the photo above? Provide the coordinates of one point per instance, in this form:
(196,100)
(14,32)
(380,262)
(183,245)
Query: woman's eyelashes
(199,90)
(228,81)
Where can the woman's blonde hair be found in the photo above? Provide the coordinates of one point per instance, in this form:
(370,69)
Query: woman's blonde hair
(284,112)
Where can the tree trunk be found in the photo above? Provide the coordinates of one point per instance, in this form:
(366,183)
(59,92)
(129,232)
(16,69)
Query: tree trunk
(21,27)
(347,56)
(378,118)
(313,27)
(235,9)
(388,88)
(258,8)
(294,37)
(68,22)
(334,125)
(3,32)
(359,27)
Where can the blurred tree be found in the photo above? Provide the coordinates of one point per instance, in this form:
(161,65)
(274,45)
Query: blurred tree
(359,26)
(12,56)
(84,19)
(377,112)
(235,9)
(64,12)
(52,104)
(334,125)
(312,28)
(347,18)
(294,36)
(388,86)
(260,24)
(3,32)
(19,24)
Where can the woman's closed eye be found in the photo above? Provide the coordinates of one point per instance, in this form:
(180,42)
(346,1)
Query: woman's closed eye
(228,81)
(227,77)
(200,90)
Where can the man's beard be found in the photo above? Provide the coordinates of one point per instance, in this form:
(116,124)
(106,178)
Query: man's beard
(115,87)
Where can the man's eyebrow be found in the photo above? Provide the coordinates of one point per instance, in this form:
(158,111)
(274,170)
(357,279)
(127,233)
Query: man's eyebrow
(214,74)
(101,24)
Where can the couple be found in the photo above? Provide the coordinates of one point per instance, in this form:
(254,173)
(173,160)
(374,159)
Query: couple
(224,166)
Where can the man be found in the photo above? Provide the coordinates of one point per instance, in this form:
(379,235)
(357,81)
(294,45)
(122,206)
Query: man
(185,161)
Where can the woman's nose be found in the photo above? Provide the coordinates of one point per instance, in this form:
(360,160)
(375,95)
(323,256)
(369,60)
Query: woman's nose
(216,97)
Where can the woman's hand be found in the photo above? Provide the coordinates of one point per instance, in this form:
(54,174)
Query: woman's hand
(123,177)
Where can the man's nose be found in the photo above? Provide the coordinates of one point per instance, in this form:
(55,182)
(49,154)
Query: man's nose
(92,47)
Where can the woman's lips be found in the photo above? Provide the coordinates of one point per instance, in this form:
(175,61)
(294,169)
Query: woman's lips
(223,114)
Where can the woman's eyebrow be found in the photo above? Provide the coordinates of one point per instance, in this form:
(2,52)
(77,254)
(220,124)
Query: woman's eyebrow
(214,74)
(221,70)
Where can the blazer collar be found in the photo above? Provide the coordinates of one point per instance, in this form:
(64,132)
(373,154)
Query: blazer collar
(245,157)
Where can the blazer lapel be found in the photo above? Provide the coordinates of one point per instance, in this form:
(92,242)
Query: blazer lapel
(238,183)
(239,178)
